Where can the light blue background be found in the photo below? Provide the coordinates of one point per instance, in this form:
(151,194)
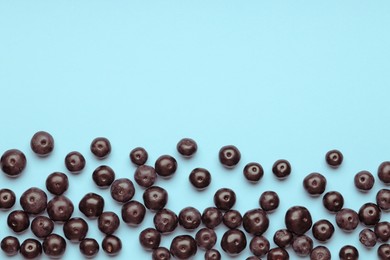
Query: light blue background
(278,79)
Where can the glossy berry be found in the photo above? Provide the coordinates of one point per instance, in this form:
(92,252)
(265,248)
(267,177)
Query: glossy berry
(298,220)
(161,253)
(149,238)
(382,231)
(91,205)
(212,217)
(57,183)
(229,156)
(155,198)
(103,176)
(183,247)
(7,199)
(75,162)
(232,219)
(18,221)
(383,199)
(145,176)
(13,162)
(224,198)
(133,213)
(384,252)
(200,178)
(212,254)
(323,230)
(60,208)
(233,242)
(269,201)
(347,219)
(138,156)
(367,237)
(333,201)
(206,238)
(384,172)
(283,238)
(89,247)
(187,147)
(42,143)
(281,169)
(253,172)
(122,190)
(255,221)
(165,166)
(112,245)
(348,252)
(259,246)
(190,218)
(10,245)
(54,246)
(75,229)
(278,254)
(314,184)
(364,181)
(31,248)
(320,253)
(165,221)
(42,226)
(369,214)
(334,158)
(302,245)
(108,222)
(100,147)
(33,200)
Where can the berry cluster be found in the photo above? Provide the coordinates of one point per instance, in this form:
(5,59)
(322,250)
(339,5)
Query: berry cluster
(255,222)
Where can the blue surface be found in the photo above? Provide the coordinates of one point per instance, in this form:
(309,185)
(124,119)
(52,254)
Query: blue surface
(277,79)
